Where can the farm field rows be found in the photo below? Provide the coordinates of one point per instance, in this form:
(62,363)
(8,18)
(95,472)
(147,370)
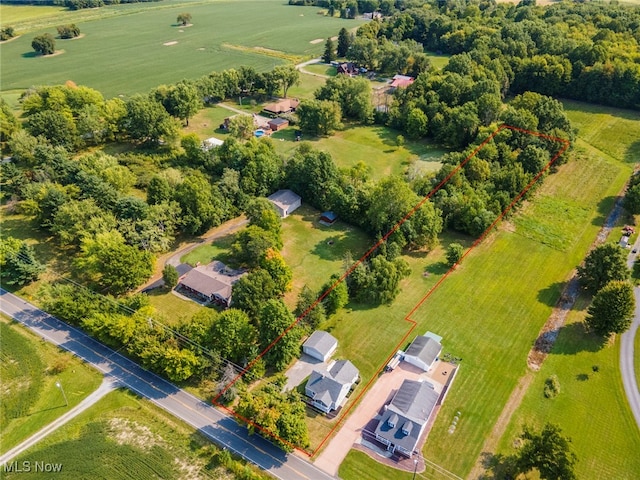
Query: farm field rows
(125,437)
(29,370)
(129,53)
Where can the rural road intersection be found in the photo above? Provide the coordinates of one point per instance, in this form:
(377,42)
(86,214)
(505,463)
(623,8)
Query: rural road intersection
(210,422)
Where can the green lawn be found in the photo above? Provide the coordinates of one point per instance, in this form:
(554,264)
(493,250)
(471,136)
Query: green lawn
(29,370)
(590,407)
(375,146)
(171,308)
(124,437)
(490,310)
(322,69)
(128,42)
(206,122)
(613,131)
(308,86)
(439,61)
(636,356)
(219,249)
(315,252)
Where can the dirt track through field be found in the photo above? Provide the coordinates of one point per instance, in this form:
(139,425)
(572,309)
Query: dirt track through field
(543,345)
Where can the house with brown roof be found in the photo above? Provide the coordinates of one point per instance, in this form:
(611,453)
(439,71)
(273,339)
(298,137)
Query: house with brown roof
(285,105)
(210,283)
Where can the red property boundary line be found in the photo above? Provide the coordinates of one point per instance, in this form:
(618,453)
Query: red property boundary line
(353,402)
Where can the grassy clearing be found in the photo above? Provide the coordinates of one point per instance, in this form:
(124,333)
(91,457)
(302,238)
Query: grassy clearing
(358,465)
(315,252)
(129,42)
(322,69)
(308,85)
(585,394)
(30,368)
(206,122)
(219,249)
(374,146)
(613,131)
(172,308)
(438,60)
(490,310)
(124,437)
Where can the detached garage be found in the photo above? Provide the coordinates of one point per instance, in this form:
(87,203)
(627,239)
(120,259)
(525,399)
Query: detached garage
(285,201)
(278,124)
(320,345)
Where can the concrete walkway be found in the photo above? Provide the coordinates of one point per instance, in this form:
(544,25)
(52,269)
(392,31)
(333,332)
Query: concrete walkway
(108,384)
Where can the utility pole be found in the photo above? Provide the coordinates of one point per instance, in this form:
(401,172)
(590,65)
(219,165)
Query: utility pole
(66,402)
(415,467)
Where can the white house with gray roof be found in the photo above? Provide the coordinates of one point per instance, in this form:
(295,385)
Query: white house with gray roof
(285,201)
(328,389)
(406,417)
(320,345)
(424,351)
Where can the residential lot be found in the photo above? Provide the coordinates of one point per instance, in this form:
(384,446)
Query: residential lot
(361,421)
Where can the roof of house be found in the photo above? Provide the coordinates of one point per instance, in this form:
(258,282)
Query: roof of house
(212,279)
(321,341)
(425,348)
(401,81)
(284,198)
(408,411)
(326,386)
(282,106)
(206,284)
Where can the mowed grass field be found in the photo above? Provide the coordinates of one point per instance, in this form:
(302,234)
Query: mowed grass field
(374,146)
(590,408)
(124,437)
(29,369)
(127,49)
(491,309)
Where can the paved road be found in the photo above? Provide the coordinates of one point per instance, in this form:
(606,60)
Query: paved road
(220,428)
(108,384)
(626,352)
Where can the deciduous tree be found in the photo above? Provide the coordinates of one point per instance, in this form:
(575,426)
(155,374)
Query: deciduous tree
(612,309)
(547,451)
(454,253)
(275,319)
(184,19)
(170,276)
(604,263)
(44,44)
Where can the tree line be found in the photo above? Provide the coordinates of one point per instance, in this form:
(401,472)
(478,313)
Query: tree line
(584,51)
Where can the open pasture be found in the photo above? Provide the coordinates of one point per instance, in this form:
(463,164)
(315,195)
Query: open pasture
(134,52)
(584,394)
(489,311)
(374,146)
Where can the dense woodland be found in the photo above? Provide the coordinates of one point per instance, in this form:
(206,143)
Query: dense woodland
(112,213)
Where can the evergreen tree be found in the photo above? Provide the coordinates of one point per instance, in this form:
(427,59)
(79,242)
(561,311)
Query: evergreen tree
(329,51)
(344,42)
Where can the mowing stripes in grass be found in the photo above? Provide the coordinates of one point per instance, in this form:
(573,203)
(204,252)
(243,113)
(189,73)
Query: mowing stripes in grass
(563,145)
